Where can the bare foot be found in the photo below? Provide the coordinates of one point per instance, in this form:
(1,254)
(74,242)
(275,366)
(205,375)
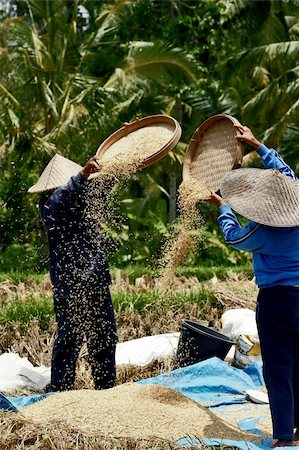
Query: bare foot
(296,435)
(283,443)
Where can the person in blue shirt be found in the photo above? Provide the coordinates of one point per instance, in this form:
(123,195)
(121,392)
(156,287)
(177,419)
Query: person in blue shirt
(79,274)
(275,252)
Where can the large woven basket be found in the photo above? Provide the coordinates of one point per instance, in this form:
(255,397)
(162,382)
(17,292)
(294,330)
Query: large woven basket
(213,151)
(153,137)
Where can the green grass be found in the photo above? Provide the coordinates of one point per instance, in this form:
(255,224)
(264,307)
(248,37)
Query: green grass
(141,301)
(24,312)
(204,273)
(42,310)
(17,277)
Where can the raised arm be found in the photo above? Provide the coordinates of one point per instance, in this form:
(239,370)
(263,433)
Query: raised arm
(270,157)
(55,208)
(243,238)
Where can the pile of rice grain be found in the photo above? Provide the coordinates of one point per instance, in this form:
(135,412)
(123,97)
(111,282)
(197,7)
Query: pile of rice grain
(130,410)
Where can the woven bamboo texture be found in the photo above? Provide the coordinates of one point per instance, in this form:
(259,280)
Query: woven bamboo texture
(213,151)
(265,196)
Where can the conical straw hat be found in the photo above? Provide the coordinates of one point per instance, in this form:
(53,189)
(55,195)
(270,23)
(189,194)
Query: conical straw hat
(56,174)
(265,196)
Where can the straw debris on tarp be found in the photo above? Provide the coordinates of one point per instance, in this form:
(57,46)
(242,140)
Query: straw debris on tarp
(18,433)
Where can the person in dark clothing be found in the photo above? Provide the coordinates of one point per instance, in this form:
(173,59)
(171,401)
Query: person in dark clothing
(270,200)
(79,273)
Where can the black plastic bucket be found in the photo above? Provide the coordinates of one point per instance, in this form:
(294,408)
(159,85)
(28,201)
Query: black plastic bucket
(198,342)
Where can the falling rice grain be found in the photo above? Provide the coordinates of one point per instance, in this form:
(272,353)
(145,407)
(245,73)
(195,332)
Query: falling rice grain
(187,232)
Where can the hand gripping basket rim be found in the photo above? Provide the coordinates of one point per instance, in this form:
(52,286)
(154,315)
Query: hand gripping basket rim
(194,146)
(140,123)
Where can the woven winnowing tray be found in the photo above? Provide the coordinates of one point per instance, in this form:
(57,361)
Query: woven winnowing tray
(213,151)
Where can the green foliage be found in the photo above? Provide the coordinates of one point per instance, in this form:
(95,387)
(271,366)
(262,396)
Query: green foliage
(192,25)
(23,258)
(59,102)
(214,250)
(24,312)
(260,82)
(290,146)
(73,71)
(141,221)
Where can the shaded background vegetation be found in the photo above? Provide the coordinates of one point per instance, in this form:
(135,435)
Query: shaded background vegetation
(71,72)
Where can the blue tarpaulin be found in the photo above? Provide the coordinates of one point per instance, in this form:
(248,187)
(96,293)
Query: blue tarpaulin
(17,403)
(214,384)
(212,381)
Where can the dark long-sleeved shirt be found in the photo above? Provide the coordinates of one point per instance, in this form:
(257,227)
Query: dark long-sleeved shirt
(76,250)
(275,250)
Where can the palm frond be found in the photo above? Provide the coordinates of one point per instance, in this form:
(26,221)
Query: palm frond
(289,145)
(287,85)
(159,62)
(8,94)
(267,54)
(274,133)
(104,27)
(233,8)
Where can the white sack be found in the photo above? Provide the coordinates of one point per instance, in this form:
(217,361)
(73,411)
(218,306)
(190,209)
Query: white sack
(19,373)
(143,351)
(240,321)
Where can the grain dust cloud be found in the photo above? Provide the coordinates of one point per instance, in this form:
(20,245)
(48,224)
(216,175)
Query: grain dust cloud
(186,233)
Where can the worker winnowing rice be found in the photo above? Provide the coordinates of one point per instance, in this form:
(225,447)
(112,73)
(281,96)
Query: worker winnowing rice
(79,272)
(269,198)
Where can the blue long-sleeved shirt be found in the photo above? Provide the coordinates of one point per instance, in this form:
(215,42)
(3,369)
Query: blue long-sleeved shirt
(275,250)
(76,250)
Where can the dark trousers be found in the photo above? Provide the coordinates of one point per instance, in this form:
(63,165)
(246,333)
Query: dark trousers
(278,326)
(84,313)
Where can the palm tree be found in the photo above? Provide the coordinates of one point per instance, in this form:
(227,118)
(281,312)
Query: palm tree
(50,99)
(262,79)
